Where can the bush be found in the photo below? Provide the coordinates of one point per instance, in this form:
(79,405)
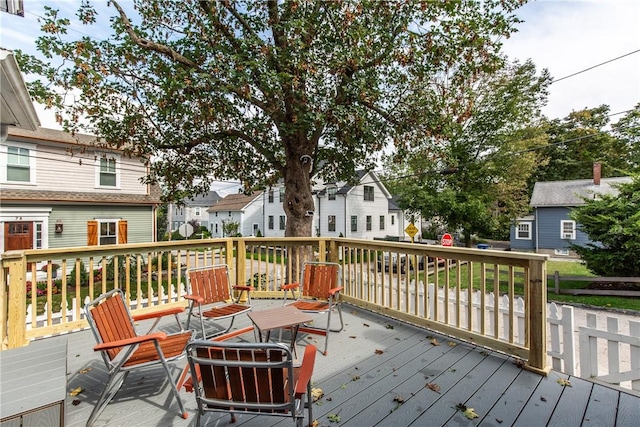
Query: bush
(84,275)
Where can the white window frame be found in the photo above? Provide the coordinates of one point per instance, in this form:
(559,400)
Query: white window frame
(354,223)
(108,156)
(331,193)
(369,222)
(270,221)
(369,193)
(283,222)
(567,230)
(196,211)
(100,235)
(4,161)
(281,194)
(382,222)
(270,196)
(331,223)
(520,232)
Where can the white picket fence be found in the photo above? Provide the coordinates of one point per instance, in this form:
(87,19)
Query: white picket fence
(616,349)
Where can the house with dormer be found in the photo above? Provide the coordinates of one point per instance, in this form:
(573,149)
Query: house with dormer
(360,210)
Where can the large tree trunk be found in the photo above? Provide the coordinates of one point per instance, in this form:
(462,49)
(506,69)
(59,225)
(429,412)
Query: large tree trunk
(298,205)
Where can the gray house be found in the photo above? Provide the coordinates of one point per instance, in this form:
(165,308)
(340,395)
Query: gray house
(192,210)
(550,229)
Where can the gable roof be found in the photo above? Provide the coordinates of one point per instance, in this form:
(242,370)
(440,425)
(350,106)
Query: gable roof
(570,193)
(234,202)
(16,107)
(68,197)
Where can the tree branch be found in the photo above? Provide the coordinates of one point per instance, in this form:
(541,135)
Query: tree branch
(150,45)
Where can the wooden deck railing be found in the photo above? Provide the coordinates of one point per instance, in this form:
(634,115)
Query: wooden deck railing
(387,277)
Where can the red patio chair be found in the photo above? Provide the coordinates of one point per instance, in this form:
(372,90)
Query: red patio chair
(210,296)
(319,292)
(251,378)
(123,350)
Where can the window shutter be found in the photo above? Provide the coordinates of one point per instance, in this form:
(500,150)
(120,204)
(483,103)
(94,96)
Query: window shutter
(122,232)
(92,233)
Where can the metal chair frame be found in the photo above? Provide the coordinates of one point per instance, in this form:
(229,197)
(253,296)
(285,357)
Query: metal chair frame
(123,349)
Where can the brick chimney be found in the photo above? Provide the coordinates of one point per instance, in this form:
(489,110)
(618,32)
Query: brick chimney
(597,173)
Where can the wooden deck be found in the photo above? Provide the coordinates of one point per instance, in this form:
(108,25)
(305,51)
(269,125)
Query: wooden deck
(376,374)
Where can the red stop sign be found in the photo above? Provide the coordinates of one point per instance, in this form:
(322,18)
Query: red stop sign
(447,240)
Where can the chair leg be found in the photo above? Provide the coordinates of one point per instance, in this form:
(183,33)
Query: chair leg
(183,412)
(110,390)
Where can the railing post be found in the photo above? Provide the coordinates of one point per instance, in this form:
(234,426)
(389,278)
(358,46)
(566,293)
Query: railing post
(537,317)
(17,302)
(333,251)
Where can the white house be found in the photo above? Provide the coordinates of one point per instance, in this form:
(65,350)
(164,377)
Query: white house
(244,210)
(364,210)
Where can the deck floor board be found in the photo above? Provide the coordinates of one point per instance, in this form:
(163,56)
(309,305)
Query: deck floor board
(372,364)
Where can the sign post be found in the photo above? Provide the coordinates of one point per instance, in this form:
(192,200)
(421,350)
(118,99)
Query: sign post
(411,230)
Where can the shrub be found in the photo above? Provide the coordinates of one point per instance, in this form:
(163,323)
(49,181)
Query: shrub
(73,276)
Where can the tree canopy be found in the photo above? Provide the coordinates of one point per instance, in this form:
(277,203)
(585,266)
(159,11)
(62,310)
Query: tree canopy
(613,225)
(486,155)
(267,90)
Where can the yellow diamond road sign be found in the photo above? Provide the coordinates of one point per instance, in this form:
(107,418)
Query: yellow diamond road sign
(411,230)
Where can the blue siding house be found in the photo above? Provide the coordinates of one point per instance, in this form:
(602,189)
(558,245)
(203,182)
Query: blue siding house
(550,229)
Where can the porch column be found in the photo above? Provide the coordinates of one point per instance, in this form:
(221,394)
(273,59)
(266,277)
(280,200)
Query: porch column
(537,313)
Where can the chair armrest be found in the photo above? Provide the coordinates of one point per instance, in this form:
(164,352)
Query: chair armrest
(306,370)
(130,341)
(195,298)
(243,288)
(155,314)
(335,290)
(290,286)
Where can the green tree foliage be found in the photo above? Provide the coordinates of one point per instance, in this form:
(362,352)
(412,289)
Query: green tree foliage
(579,140)
(262,90)
(627,130)
(486,155)
(613,224)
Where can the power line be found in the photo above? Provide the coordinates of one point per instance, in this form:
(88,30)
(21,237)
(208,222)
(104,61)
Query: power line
(595,66)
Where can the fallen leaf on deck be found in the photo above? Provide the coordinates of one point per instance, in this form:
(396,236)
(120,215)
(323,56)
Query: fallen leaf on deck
(352,336)
(85,370)
(469,413)
(544,399)
(333,418)
(451,344)
(499,421)
(389,326)
(519,363)
(364,324)
(434,387)
(76,391)
(564,383)
(316,393)
(75,402)
(315,423)
(379,352)
(484,353)
(434,341)
(355,378)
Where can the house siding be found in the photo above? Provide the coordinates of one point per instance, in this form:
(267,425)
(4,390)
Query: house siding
(549,236)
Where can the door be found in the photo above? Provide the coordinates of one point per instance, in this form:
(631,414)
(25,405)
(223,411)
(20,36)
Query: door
(18,235)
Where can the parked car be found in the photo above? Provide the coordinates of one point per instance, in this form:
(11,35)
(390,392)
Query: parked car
(392,262)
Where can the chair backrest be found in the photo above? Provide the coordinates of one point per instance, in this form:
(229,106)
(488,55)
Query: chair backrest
(318,278)
(243,377)
(110,320)
(211,282)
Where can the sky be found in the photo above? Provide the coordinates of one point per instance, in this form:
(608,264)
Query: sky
(562,36)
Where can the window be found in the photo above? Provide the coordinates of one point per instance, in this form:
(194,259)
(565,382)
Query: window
(381,222)
(393,219)
(270,196)
(216,228)
(331,193)
(256,229)
(18,164)
(369,222)
(523,231)
(108,234)
(368,193)
(568,230)
(354,223)
(281,199)
(331,221)
(108,176)
(38,235)
(283,221)
(196,211)
(270,222)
